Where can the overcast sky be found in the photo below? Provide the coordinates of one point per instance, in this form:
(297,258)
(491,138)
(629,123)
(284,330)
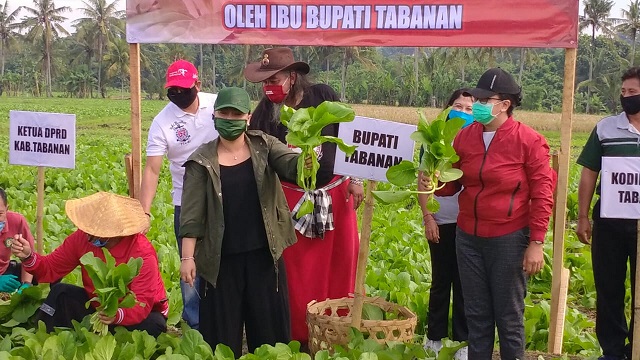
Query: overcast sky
(77,4)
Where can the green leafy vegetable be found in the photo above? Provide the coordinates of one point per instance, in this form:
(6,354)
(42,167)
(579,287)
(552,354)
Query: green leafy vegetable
(111,283)
(305,128)
(436,139)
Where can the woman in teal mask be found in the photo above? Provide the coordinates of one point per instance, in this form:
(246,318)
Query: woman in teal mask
(505,205)
(440,231)
(235,224)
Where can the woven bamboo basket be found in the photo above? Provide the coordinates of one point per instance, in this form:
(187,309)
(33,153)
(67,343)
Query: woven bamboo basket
(329,322)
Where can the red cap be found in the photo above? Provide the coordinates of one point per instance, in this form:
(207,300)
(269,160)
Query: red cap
(181,74)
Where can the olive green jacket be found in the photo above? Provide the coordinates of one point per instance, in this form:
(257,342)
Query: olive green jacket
(201,214)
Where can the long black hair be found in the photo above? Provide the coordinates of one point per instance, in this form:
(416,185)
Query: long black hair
(455,95)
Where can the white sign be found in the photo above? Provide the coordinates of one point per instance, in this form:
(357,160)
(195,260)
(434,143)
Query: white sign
(620,188)
(381,144)
(42,139)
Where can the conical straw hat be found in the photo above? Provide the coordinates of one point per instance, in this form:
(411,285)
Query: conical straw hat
(107,215)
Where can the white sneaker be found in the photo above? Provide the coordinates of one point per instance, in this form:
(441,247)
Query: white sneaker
(462,353)
(434,345)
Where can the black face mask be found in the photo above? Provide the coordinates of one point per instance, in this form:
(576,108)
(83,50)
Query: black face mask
(182,99)
(630,104)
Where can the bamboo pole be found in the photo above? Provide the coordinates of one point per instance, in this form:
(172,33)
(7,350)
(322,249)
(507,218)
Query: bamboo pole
(136,119)
(40,211)
(128,168)
(557,309)
(363,255)
(635,354)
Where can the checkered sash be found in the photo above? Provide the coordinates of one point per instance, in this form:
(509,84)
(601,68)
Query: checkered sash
(314,225)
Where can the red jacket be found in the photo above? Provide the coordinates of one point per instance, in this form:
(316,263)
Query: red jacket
(147,286)
(507,187)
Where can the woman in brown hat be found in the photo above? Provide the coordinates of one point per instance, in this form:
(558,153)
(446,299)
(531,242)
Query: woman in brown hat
(109,221)
(322,263)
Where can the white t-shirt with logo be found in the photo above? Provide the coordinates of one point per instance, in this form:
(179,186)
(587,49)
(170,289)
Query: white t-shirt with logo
(177,134)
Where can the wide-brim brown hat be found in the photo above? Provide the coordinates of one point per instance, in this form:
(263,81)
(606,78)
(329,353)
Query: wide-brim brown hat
(107,215)
(273,61)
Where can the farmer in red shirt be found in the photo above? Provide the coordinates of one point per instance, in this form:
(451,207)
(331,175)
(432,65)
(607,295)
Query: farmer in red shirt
(104,220)
(13,277)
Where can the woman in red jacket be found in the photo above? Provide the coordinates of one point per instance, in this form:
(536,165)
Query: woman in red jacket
(505,206)
(104,220)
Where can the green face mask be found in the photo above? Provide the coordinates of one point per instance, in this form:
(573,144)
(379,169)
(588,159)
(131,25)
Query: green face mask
(230,129)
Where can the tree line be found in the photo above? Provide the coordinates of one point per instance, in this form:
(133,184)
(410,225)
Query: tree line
(40,57)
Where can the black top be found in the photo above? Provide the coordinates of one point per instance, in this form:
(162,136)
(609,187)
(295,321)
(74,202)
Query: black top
(263,119)
(243,224)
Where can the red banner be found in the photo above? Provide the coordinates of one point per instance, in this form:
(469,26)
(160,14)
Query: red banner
(435,23)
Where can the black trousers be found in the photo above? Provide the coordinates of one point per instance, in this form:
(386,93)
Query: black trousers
(613,246)
(248,293)
(444,277)
(67,302)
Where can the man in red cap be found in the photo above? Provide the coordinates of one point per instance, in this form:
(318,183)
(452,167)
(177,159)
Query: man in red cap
(183,125)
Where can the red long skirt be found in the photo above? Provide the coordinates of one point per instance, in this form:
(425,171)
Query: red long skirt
(318,269)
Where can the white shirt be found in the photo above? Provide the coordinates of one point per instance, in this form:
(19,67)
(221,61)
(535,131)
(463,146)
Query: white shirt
(487,136)
(177,134)
(448,213)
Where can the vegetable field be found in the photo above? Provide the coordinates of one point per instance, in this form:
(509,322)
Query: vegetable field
(399,264)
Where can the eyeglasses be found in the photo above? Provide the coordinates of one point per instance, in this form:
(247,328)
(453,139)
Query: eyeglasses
(485,101)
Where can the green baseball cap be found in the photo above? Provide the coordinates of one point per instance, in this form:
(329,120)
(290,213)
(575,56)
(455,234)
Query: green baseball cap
(233,97)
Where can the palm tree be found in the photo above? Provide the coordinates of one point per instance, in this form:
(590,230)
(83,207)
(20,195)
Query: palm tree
(463,57)
(596,16)
(527,55)
(45,22)
(8,31)
(117,58)
(350,55)
(104,20)
(630,24)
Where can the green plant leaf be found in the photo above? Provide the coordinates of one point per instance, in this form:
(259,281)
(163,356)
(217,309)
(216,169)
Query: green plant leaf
(451,128)
(433,205)
(105,348)
(390,197)
(305,208)
(402,174)
(321,355)
(286,113)
(372,312)
(223,352)
(420,137)
(330,112)
(347,149)
(450,175)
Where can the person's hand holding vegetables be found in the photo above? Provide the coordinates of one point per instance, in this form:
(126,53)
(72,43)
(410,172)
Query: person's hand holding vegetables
(105,319)
(426,184)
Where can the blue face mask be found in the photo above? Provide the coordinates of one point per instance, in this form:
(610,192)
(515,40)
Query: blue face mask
(468,118)
(2,224)
(96,241)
